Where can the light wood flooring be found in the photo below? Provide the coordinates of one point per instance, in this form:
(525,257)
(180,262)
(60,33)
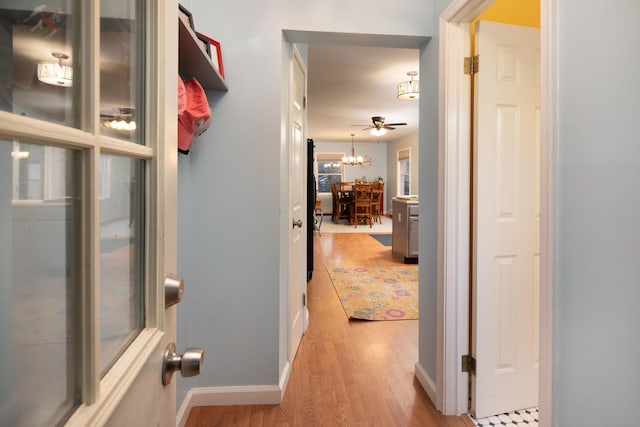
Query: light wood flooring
(346,373)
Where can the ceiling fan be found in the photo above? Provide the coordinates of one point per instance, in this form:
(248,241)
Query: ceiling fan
(379,127)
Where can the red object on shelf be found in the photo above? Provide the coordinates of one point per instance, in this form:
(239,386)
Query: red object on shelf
(194,114)
(215,44)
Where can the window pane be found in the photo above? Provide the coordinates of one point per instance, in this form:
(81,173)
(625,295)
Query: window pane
(404,166)
(121,257)
(403,176)
(37,49)
(329,170)
(324,182)
(38,172)
(121,65)
(39,285)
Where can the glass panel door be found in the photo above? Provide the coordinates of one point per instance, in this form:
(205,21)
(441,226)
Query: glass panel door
(74,174)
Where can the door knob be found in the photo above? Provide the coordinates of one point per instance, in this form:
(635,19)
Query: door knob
(188,364)
(297,223)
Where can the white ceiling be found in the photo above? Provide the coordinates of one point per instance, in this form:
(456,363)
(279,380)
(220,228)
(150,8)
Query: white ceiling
(347,85)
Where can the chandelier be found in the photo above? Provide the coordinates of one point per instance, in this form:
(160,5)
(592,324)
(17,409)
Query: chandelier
(352,159)
(409,89)
(55,73)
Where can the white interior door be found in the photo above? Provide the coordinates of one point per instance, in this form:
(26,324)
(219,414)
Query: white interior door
(297,185)
(505,330)
(88,215)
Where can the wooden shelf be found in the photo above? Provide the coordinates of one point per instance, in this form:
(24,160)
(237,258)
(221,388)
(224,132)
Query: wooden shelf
(194,60)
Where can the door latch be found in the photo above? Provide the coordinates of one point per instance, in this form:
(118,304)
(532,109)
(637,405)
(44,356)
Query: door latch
(173,290)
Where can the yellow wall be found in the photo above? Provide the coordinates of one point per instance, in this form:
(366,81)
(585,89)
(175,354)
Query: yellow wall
(518,12)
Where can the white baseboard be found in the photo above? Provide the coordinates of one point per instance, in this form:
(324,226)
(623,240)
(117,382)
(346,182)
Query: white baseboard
(237,395)
(284,379)
(425,381)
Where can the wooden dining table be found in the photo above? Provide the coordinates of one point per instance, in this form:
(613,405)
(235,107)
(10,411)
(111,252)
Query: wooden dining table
(346,192)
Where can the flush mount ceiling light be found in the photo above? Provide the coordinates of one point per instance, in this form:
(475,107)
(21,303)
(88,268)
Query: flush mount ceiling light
(353,159)
(410,89)
(55,73)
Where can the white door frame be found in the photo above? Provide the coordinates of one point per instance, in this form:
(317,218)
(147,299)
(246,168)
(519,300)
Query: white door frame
(454,206)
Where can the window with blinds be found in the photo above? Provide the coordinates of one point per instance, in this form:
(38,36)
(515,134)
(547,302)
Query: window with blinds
(329,169)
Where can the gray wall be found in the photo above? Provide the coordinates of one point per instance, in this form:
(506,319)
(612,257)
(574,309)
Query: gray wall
(597,223)
(428,192)
(234,225)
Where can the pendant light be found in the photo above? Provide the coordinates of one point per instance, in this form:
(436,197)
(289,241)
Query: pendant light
(353,159)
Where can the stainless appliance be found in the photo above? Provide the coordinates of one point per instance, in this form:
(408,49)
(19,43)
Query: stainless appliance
(404,240)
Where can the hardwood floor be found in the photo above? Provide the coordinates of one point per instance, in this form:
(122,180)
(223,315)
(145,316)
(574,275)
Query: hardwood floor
(346,373)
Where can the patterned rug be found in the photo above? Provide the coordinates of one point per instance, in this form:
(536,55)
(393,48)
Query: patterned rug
(381,293)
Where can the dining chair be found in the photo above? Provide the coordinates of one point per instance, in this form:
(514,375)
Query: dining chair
(362,204)
(342,204)
(334,202)
(376,196)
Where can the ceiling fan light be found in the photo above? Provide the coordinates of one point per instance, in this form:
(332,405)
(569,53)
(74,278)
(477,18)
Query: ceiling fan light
(378,132)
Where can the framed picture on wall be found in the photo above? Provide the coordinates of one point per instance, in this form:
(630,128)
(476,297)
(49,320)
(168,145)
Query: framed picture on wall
(204,42)
(216,53)
(184,13)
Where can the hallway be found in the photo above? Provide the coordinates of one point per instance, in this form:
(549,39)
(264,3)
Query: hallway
(346,373)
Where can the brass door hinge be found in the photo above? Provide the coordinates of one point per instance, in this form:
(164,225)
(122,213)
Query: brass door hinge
(471,64)
(469,364)
(304,300)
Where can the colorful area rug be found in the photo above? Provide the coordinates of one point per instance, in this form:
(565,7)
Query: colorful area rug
(380,293)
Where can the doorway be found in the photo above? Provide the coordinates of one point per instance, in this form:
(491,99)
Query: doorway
(389,44)
(454,46)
